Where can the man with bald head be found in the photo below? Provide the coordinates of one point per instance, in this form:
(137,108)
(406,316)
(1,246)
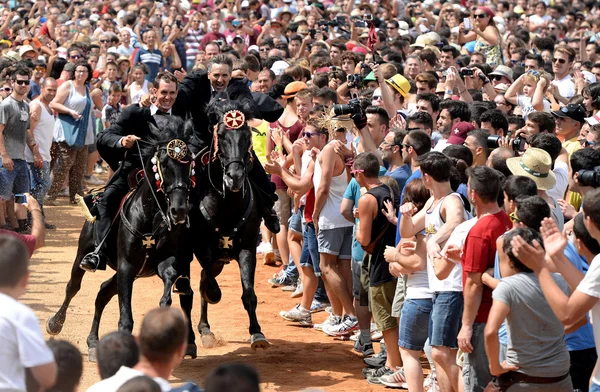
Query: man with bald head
(214,35)
(41,129)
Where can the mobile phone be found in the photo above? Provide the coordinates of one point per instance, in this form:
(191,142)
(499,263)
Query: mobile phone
(467,23)
(312,33)
(467,72)
(22,34)
(368,17)
(423,28)
(360,23)
(20,198)
(342,19)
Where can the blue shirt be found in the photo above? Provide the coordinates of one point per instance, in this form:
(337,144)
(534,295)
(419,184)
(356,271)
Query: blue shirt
(583,338)
(353,193)
(416,174)
(401,174)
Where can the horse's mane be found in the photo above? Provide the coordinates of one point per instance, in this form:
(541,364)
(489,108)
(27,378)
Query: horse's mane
(237,91)
(169,127)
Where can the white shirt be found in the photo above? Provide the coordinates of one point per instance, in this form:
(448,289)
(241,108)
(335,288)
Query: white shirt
(566,86)
(590,285)
(561,171)
(22,344)
(125,374)
(441,144)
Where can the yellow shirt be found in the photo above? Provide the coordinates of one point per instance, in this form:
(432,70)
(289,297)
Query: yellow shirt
(259,141)
(571,146)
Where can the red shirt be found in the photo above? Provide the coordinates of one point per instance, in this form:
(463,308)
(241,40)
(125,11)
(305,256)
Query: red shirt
(26,239)
(480,251)
(309,205)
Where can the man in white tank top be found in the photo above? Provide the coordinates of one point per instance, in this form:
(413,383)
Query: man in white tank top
(442,213)
(41,129)
(334,236)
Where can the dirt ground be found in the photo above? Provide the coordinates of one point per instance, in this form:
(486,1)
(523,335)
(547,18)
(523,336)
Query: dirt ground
(299,358)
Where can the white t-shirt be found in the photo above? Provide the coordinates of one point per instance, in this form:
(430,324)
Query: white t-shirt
(525,103)
(590,285)
(566,86)
(22,344)
(561,171)
(125,374)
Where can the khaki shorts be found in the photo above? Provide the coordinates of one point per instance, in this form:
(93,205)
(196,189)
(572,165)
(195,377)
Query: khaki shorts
(381,297)
(283,206)
(399,297)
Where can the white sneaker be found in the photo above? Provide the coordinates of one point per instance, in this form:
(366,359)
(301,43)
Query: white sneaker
(299,290)
(394,380)
(331,321)
(430,384)
(345,328)
(301,316)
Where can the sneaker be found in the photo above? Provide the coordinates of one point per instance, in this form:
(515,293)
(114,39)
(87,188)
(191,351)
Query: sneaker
(376,378)
(49,226)
(64,192)
(331,321)
(349,325)
(430,384)
(298,292)
(268,254)
(98,169)
(25,229)
(290,288)
(297,315)
(378,372)
(318,306)
(394,380)
(376,335)
(378,360)
(92,180)
(281,280)
(365,349)
(329,310)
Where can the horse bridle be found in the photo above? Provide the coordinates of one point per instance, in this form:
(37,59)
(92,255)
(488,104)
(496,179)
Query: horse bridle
(177,150)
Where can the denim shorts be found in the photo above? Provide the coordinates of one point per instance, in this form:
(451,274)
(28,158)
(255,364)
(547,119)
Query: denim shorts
(310,250)
(337,242)
(594,388)
(14,181)
(295,222)
(40,181)
(446,318)
(414,320)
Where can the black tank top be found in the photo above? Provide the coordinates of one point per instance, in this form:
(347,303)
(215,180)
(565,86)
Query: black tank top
(378,268)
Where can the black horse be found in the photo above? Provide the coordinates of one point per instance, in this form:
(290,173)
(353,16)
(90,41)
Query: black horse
(151,224)
(226,224)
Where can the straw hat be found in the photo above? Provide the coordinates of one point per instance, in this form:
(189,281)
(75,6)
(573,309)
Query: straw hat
(536,164)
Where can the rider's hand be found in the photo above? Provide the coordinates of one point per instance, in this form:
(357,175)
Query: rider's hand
(128,141)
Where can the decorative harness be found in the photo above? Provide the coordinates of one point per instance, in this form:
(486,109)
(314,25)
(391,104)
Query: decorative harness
(177,150)
(233,119)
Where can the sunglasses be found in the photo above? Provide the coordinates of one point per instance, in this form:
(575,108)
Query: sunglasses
(497,77)
(376,97)
(310,134)
(533,72)
(75,57)
(103,41)
(22,82)
(6,89)
(41,69)
(561,61)
(479,16)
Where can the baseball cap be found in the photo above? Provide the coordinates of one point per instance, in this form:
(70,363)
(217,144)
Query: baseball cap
(503,70)
(400,84)
(69,67)
(238,38)
(24,49)
(292,89)
(460,131)
(230,18)
(278,67)
(245,4)
(403,28)
(573,111)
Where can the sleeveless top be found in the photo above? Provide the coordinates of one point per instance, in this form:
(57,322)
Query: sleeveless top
(78,103)
(330,217)
(493,54)
(42,133)
(433,222)
(293,134)
(379,271)
(417,283)
(136,96)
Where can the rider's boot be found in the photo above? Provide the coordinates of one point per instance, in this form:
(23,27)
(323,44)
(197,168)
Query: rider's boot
(96,259)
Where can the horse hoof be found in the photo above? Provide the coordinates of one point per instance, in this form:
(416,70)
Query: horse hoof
(209,341)
(92,354)
(53,328)
(259,341)
(191,351)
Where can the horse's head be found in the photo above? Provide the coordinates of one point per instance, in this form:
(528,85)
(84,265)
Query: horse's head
(171,166)
(233,145)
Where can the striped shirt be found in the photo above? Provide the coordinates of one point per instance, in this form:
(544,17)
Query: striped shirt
(193,40)
(152,59)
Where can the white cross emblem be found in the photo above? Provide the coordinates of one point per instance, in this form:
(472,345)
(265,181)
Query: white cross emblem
(226,243)
(148,242)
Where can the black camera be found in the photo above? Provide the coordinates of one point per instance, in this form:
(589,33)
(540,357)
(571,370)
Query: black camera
(355,80)
(589,177)
(466,72)
(517,144)
(352,107)
(365,69)
(360,23)
(312,33)
(326,23)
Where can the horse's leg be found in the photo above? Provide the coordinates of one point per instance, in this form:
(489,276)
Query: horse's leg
(126,274)
(166,271)
(55,323)
(247,262)
(208,338)
(186,301)
(107,291)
